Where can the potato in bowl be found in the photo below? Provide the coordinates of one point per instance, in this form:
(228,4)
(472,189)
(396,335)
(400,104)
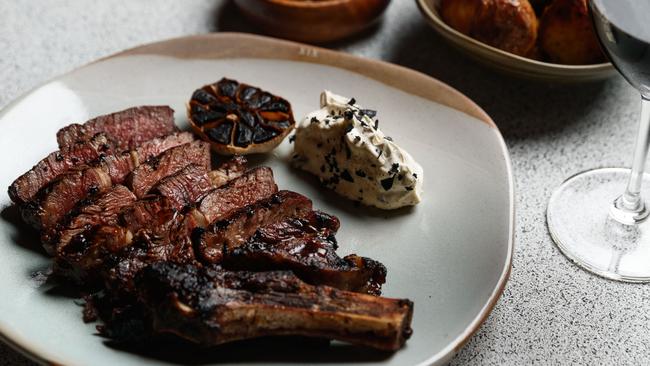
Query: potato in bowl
(559,32)
(533,65)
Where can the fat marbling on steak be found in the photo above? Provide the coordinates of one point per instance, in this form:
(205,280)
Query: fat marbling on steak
(185,187)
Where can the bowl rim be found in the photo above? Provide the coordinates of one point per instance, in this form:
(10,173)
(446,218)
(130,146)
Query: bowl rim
(308,4)
(432,15)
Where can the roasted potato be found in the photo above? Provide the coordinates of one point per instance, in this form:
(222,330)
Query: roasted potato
(510,25)
(566,35)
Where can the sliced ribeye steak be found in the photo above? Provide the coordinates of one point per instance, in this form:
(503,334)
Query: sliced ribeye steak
(145,176)
(239,225)
(185,187)
(103,209)
(55,200)
(126,129)
(75,156)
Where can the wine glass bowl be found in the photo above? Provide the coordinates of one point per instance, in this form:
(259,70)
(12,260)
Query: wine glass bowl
(599,218)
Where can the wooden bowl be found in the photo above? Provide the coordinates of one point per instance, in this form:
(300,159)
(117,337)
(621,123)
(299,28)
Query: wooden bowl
(314,21)
(510,63)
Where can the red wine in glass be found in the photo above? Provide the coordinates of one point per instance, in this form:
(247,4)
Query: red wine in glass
(623,27)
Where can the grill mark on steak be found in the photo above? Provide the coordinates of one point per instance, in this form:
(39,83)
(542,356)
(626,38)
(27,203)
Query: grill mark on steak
(127,129)
(151,211)
(307,247)
(120,268)
(83,257)
(255,184)
(235,229)
(55,200)
(102,210)
(152,223)
(75,156)
(61,196)
(212,306)
(145,176)
(185,187)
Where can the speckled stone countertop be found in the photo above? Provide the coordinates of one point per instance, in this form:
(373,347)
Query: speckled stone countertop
(551,312)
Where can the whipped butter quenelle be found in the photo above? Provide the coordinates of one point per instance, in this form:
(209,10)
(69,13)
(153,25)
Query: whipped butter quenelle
(342,144)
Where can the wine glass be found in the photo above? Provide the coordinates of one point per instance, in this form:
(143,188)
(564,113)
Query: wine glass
(593,224)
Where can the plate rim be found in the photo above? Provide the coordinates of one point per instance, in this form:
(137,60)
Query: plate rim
(294,51)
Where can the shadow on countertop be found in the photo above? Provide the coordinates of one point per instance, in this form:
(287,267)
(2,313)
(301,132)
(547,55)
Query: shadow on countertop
(269,350)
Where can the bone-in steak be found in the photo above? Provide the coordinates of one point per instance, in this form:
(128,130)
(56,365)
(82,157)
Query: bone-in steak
(126,129)
(211,306)
(130,209)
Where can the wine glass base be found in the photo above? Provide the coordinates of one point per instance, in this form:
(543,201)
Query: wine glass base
(578,217)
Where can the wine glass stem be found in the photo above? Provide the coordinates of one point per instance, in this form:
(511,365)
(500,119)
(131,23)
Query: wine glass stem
(631,200)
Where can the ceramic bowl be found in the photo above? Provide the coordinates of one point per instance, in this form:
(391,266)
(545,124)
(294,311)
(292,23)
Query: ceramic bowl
(510,63)
(313,21)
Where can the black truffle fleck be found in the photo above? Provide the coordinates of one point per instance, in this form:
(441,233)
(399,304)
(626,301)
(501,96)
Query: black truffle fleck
(387,183)
(345,175)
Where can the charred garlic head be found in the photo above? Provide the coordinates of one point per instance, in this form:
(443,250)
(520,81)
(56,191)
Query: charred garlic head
(239,118)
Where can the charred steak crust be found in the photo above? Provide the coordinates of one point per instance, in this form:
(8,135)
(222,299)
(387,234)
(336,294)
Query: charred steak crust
(235,229)
(307,247)
(153,224)
(145,176)
(210,256)
(75,156)
(212,306)
(126,129)
(100,210)
(54,202)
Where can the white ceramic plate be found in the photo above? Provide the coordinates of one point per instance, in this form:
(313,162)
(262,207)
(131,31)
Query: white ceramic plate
(451,254)
(510,63)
